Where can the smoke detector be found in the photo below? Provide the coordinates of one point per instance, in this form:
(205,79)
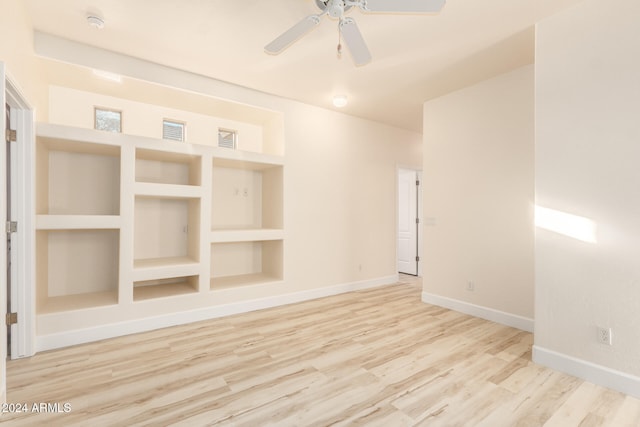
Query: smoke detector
(95,22)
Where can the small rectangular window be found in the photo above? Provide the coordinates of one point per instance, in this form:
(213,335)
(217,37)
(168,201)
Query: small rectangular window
(173,130)
(108,120)
(227,138)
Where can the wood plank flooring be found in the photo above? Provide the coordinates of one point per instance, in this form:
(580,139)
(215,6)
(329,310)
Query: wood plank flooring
(378,357)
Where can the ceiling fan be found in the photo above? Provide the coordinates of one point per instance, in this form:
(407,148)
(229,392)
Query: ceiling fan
(347,26)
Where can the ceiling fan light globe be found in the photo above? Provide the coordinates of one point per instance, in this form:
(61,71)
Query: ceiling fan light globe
(340,101)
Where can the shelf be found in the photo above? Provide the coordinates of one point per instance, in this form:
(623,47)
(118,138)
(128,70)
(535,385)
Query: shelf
(162,268)
(246,199)
(245,160)
(246,259)
(78,302)
(167,190)
(152,289)
(77,178)
(166,228)
(163,167)
(77,222)
(76,268)
(246,235)
(242,280)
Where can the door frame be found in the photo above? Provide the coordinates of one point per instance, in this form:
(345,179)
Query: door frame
(419,212)
(23,334)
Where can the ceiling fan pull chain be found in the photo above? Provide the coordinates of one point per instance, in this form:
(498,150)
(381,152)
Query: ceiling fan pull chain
(339,52)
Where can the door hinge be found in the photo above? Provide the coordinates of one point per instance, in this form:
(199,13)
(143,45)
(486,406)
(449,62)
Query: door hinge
(417,182)
(11,135)
(417,220)
(12,227)
(12,319)
(417,258)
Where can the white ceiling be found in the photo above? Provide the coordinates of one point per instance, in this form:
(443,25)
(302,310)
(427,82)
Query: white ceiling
(415,57)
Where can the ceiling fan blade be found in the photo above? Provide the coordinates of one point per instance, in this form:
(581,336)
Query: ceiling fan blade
(293,34)
(354,41)
(407,6)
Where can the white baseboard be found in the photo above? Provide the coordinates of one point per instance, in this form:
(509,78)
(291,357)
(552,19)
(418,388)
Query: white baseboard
(504,318)
(81,336)
(597,374)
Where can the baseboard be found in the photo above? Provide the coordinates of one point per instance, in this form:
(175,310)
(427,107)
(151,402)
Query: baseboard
(82,336)
(597,374)
(504,318)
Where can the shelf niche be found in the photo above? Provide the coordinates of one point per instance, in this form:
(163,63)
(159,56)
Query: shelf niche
(166,231)
(161,167)
(76,269)
(151,289)
(246,196)
(245,263)
(77,178)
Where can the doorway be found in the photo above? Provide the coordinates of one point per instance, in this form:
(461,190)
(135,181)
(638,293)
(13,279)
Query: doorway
(17,212)
(409,210)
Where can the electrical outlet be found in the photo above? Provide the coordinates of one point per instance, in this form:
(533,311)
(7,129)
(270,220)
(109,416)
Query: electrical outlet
(471,286)
(605,336)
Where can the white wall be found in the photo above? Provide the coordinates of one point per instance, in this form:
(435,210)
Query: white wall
(587,157)
(478,198)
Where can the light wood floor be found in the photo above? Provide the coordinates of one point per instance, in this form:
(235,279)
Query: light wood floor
(379,357)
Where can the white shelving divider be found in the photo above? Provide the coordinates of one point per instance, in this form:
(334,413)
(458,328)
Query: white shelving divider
(127,197)
(167,190)
(77,222)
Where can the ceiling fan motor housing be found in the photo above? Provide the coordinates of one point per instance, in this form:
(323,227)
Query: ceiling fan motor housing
(334,8)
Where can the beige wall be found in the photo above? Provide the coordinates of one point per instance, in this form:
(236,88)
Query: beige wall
(587,153)
(74,107)
(340,196)
(478,194)
(339,177)
(16,52)
(16,48)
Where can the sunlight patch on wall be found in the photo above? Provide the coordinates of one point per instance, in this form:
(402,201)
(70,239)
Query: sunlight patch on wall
(574,226)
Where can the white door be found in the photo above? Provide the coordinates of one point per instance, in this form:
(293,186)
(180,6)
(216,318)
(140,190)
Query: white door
(408,221)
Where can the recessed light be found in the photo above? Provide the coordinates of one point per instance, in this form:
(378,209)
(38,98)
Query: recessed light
(95,22)
(340,101)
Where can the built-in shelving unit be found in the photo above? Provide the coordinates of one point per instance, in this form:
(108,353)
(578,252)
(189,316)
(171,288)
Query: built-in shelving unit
(133,227)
